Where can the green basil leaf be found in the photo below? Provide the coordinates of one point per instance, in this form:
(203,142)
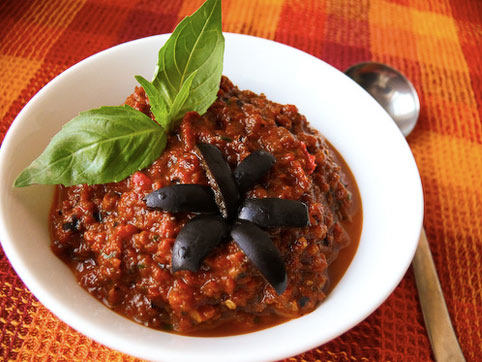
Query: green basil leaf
(102,145)
(181,98)
(158,107)
(195,47)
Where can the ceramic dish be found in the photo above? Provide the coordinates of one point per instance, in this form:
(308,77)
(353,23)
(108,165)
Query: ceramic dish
(352,121)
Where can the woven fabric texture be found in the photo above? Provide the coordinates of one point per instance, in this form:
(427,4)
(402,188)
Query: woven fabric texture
(436,43)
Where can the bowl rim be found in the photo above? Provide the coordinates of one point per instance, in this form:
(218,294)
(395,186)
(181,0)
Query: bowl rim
(182,353)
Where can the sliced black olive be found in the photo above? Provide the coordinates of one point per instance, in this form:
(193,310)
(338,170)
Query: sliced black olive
(274,212)
(261,251)
(97,216)
(183,198)
(72,225)
(195,241)
(220,179)
(303,301)
(253,168)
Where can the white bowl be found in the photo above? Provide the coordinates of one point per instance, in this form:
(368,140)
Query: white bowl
(352,121)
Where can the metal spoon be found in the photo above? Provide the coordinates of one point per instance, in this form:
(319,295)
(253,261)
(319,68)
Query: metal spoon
(398,97)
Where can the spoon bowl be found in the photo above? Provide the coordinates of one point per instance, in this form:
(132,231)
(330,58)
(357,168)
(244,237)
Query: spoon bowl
(395,93)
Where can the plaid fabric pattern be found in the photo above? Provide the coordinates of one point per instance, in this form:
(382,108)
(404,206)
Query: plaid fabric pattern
(436,43)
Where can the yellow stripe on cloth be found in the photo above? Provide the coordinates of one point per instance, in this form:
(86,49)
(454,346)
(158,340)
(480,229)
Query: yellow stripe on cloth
(15,75)
(49,338)
(24,53)
(258,18)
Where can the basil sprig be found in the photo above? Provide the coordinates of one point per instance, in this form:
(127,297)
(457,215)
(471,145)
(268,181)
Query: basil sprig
(108,144)
(189,67)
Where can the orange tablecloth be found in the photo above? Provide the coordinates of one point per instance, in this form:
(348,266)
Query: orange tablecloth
(436,43)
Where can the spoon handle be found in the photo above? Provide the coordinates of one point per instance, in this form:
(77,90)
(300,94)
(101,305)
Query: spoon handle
(445,345)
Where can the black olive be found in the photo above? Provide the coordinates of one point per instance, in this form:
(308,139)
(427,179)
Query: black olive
(195,241)
(273,212)
(220,178)
(253,168)
(157,304)
(261,251)
(97,216)
(72,225)
(303,301)
(183,198)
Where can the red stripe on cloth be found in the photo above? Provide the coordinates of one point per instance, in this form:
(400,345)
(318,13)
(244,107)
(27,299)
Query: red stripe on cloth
(145,20)
(346,42)
(301,25)
(11,12)
(16,309)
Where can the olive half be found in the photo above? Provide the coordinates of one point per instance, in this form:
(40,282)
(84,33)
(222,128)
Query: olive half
(183,198)
(274,212)
(250,171)
(220,178)
(261,251)
(195,240)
